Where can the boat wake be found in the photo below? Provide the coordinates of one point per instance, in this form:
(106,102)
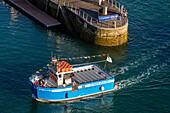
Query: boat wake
(151,56)
(130,82)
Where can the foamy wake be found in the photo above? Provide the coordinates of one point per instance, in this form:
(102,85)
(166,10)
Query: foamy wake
(139,78)
(135,64)
(138,62)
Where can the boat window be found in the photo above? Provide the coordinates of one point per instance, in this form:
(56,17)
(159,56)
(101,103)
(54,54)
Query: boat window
(59,76)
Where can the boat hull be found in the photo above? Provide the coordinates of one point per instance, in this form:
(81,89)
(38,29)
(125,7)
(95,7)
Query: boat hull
(70,92)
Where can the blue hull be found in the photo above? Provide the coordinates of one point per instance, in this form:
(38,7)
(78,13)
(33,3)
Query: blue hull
(69,93)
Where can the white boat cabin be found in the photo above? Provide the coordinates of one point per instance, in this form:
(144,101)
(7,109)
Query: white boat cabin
(62,75)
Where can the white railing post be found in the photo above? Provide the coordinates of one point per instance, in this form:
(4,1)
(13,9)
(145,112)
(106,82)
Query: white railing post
(86,16)
(91,20)
(115,3)
(80,12)
(112,3)
(72,7)
(46,5)
(83,14)
(64,3)
(75,10)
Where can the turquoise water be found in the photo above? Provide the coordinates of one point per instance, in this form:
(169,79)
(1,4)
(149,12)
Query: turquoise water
(141,67)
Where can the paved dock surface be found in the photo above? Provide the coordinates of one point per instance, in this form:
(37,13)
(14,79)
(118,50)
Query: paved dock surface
(36,13)
(91,7)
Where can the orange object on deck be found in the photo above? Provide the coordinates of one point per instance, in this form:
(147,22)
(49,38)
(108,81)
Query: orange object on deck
(63,67)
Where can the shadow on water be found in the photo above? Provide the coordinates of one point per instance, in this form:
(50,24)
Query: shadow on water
(83,104)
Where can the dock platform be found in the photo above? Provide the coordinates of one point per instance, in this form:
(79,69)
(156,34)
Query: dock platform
(89,10)
(34,12)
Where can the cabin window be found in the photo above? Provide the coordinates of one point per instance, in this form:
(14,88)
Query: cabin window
(59,76)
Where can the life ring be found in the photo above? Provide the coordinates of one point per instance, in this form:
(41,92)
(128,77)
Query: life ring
(102,88)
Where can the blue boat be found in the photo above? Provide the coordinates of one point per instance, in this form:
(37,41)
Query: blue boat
(65,82)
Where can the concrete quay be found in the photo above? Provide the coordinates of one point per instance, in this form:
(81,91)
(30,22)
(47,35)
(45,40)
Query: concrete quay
(34,12)
(82,17)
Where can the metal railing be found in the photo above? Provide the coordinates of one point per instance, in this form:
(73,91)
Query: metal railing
(94,21)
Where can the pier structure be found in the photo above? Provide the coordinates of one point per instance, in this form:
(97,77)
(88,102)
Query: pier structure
(90,19)
(34,12)
(90,10)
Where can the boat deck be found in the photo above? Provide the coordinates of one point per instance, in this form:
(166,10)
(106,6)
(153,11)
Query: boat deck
(82,74)
(89,75)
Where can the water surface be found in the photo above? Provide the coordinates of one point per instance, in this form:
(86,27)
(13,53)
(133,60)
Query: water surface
(141,67)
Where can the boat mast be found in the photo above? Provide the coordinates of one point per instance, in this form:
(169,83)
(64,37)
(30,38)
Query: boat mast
(105,62)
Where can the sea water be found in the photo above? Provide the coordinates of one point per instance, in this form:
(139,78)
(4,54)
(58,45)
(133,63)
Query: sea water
(141,67)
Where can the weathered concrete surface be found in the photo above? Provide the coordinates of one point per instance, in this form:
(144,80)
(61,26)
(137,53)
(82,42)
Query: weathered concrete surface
(112,37)
(100,36)
(93,33)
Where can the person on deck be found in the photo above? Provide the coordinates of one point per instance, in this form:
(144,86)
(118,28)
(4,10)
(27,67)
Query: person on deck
(45,83)
(125,13)
(100,1)
(103,2)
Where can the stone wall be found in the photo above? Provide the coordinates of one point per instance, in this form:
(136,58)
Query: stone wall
(99,36)
(93,34)
(112,37)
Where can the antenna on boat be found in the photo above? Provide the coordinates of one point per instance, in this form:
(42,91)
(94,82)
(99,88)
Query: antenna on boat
(51,55)
(107,60)
(105,64)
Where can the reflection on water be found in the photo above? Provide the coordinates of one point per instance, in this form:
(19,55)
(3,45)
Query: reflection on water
(67,46)
(14,15)
(85,104)
(141,68)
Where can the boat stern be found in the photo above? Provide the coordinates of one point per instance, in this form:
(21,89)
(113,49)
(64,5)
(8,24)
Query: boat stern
(33,87)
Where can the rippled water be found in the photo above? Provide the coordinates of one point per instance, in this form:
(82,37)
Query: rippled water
(141,67)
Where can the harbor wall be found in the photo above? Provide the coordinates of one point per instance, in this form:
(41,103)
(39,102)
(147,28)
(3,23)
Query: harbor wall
(73,22)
